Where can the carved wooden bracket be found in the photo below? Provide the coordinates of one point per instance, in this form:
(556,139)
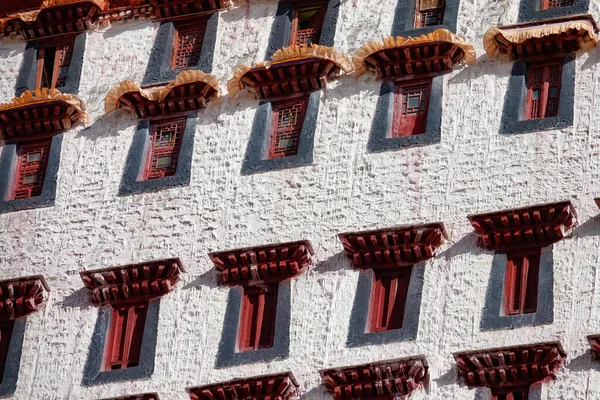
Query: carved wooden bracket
(269,387)
(22,296)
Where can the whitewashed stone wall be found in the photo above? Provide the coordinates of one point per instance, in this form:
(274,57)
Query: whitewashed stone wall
(474,169)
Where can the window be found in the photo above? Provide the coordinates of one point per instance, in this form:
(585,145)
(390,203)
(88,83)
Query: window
(287,121)
(6,330)
(543,90)
(521,284)
(429,13)
(257,318)
(410,108)
(124,340)
(514,394)
(53,64)
(187,43)
(548,4)
(388,299)
(163,151)
(307,23)
(32,160)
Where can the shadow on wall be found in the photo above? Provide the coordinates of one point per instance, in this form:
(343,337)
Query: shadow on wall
(77,299)
(334,263)
(448,378)
(591,227)
(108,126)
(208,279)
(466,245)
(583,362)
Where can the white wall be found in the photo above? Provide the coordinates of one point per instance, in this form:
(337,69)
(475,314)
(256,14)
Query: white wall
(474,169)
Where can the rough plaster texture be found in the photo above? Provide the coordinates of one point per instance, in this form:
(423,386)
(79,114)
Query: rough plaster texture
(472,169)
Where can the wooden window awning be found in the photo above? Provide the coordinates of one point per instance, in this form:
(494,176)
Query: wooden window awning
(276,387)
(189,91)
(399,57)
(125,10)
(145,396)
(171,9)
(132,282)
(595,344)
(43,112)
(510,366)
(536,226)
(54,17)
(292,70)
(393,247)
(541,39)
(262,264)
(22,296)
(383,380)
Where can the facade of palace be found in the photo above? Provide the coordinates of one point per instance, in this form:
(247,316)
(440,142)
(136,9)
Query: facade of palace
(253,199)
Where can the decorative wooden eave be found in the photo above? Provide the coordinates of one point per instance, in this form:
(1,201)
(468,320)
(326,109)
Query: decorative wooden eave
(55,17)
(393,247)
(145,396)
(595,344)
(262,264)
(126,10)
(398,57)
(510,366)
(293,69)
(22,296)
(536,226)
(172,9)
(43,112)
(541,39)
(269,387)
(132,282)
(189,91)
(383,380)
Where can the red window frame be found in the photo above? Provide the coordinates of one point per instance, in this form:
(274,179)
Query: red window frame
(187,43)
(286,127)
(548,4)
(521,281)
(6,330)
(410,119)
(306,26)
(124,340)
(543,89)
(521,393)
(53,63)
(429,13)
(164,148)
(257,317)
(30,170)
(388,299)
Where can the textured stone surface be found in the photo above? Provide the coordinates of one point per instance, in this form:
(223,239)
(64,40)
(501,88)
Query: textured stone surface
(473,169)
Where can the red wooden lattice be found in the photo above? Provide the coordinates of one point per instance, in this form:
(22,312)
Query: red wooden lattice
(307,23)
(429,13)
(257,318)
(512,394)
(187,43)
(53,64)
(125,336)
(411,106)
(6,330)
(287,122)
(163,152)
(31,169)
(521,283)
(388,299)
(548,4)
(543,90)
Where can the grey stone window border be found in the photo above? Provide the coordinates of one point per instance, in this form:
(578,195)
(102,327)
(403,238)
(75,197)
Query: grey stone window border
(532,10)
(13,359)
(7,171)
(159,64)
(516,94)
(93,374)
(381,128)
(257,150)
(137,156)
(491,318)
(227,355)
(404,18)
(282,26)
(26,79)
(359,317)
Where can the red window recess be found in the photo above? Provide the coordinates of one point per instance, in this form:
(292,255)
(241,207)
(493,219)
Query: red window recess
(6,330)
(187,43)
(287,121)
(307,23)
(411,105)
(163,151)
(53,63)
(124,340)
(32,160)
(388,299)
(543,90)
(257,318)
(521,283)
(514,394)
(548,4)
(429,13)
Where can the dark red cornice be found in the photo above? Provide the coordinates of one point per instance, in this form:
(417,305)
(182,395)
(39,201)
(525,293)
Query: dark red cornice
(22,296)
(269,387)
(595,344)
